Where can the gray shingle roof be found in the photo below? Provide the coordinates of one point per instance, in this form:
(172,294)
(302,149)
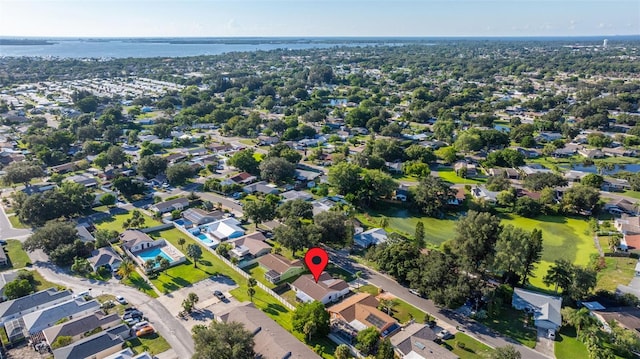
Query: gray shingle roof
(38,299)
(89,346)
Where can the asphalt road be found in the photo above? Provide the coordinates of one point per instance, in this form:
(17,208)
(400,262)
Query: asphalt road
(8,232)
(466,325)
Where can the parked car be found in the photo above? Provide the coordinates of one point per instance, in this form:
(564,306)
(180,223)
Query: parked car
(132,314)
(108,304)
(130,309)
(444,334)
(551,334)
(132,321)
(145,331)
(414,292)
(219,295)
(3,242)
(120,299)
(140,325)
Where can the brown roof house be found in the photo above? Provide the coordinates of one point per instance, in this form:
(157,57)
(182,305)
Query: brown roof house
(78,327)
(279,268)
(628,224)
(361,311)
(249,247)
(271,341)
(326,290)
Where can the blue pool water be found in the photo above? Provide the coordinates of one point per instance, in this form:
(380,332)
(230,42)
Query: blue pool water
(204,239)
(153,253)
(179,222)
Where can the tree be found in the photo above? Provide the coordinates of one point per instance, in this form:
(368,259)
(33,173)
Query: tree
(181,242)
(333,227)
(223,341)
(52,237)
(374,185)
(476,235)
(509,251)
(584,280)
(259,210)
(62,341)
(282,150)
(108,199)
(116,156)
(538,181)
(276,169)
(126,268)
(18,288)
(577,318)
(532,254)
(195,253)
(297,208)
(343,352)
(447,154)
(560,274)
(164,264)
(580,198)
(498,183)
(506,352)
(432,195)
(507,198)
(388,305)
(151,166)
(104,237)
(251,283)
(81,266)
(385,350)
(313,312)
(244,161)
(367,340)
(419,234)
(527,207)
(127,186)
(178,174)
(193,298)
(592,180)
(344,177)
(21,172)
(296,235)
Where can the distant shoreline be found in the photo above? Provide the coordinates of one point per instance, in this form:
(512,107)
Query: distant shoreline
(24,42)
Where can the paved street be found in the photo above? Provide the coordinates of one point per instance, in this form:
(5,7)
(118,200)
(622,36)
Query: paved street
(8,232)
(163,321)
(449,318)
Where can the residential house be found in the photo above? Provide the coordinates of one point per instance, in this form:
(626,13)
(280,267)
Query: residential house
(226,228)
(533,168)
(628,224)
(16,308)
(401,193)
(6,277)
(105,257)
(549,136)
(619,152)
(85,180)
(198,216)
(591,153)
(97,346)
(394,167)
(279,268)
(615,184)
(267,140)
(135,241)
(293,195)
(471,168)
(326,203)
(575,176)
(129,354)
(509,173)
(307,176)
(458,198)
(249,247)
(360,311)
(417,341)
(220,148)
(84,234)
(482,193)
(77,327)
(241,178)
(47,317)
(626,317)
(4,260)
(261,187)
(271,341)
(64,168)
(326,290)
(564,152)
(171,205)
(174,158)
(370,237)
(198,151)
(545,308)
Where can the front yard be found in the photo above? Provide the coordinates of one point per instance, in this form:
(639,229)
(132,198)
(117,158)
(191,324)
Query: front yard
(511,323)
(619,270)
(153,343)
(467,348)
(18,257)
(115,221)
(135,280)
(15,222)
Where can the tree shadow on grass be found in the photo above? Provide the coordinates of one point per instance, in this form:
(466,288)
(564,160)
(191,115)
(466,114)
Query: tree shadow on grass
(274,309)
(181,282)
(205,262)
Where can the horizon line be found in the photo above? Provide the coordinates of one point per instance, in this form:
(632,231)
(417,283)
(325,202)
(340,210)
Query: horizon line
(315,36)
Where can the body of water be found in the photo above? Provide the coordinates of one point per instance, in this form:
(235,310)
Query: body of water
(618,168)
(143,49)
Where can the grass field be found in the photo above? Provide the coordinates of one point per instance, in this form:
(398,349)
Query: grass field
(619,270)
(135,280)
(115,222)
(511,323)
(41,283)
(15,222)
(473,349)
(154,344)
(18,258)
(634,194)
(449,175)
(567,346)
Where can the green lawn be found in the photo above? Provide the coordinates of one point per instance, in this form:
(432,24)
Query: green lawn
(41,283)
(449,175)
(404,312)
(510,322)
(18,258)
(338,272)
(369,288)
(563,238)
(154,344)
(634,194)
(567,346)
(135,280)
(15,222)
(619,270)
(258,273)
(404,222)
(473,349)
(115,222)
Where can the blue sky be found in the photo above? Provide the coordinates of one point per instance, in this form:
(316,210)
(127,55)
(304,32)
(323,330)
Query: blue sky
(118,18)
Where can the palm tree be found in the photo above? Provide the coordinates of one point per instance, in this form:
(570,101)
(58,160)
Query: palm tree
(252,282)
(126,268)
(251,291)
(578,319)
(559,274)
(149,264)
(181,242)
(194,252)
(388,305)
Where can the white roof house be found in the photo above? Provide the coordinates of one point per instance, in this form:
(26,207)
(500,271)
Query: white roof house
(546,308)
(42,319)
(371,237)
(226,228)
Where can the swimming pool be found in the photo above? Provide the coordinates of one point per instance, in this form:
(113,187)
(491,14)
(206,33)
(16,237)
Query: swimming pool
(153,253)
(206,239)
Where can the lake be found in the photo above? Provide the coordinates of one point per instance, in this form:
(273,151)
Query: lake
(618,168)
(83,48)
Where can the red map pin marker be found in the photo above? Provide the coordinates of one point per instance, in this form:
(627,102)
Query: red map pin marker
(316,260)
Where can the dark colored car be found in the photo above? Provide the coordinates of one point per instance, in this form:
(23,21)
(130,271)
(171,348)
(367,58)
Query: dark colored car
(219,295)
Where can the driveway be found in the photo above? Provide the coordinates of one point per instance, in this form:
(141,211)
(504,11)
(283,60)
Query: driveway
(544,345)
